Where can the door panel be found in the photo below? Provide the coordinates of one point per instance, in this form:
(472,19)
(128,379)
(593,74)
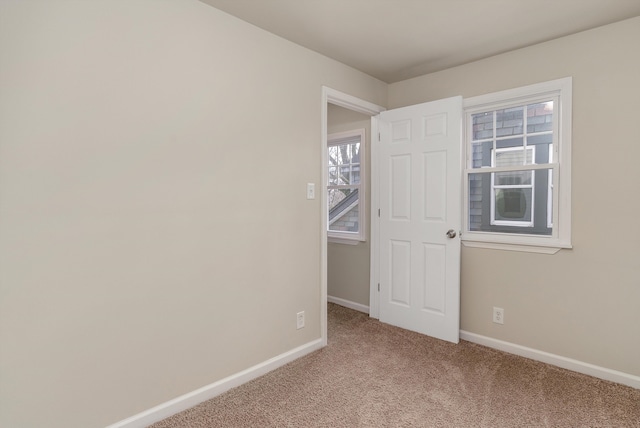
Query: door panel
(435,186)
(400,272)
(420,200)
(434,276)
(400,176)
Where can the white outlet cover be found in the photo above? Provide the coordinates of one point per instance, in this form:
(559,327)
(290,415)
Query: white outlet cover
(498,315)
(300,320)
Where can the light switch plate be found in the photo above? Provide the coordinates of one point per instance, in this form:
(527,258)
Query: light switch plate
(311,191)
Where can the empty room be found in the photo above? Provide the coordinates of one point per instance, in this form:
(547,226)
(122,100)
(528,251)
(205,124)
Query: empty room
(319,213)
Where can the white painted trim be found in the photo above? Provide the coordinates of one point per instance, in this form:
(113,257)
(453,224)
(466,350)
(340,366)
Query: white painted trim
(208,392)
(509,97)
(324,213)
(350,102)
(348,304)
(528,243)
(555,360)
(364,107)
(345,241)
(374,269)
(510,247)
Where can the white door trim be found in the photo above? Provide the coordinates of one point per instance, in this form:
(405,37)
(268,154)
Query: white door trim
(332,96)
(374,270)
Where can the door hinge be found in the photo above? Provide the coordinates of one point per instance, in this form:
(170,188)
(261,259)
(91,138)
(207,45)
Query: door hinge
(378,212)
(378,287)
(379,138)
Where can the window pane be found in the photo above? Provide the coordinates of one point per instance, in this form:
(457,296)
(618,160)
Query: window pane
(333,155)
(340,154)
(514,157)
(343,210)
(515,178)
(333,176)
(346,157)
(344,176)
(481,154)
(509,121)
(482,125)
(355,174)
(514,205)
(355,153)
(336,196)
(476,198)
(540,117)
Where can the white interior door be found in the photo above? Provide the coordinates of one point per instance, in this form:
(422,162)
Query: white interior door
(420,211)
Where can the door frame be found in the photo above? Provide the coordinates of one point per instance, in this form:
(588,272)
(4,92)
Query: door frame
(341,99)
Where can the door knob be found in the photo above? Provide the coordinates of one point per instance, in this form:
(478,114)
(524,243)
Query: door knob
(451,234)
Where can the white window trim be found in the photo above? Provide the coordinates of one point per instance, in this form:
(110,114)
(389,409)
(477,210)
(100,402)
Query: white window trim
(341,237)
(561,90)
(550,194)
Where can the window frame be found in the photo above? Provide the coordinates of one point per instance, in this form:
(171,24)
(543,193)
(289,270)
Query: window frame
(550,194)
(336,139)
(559,166)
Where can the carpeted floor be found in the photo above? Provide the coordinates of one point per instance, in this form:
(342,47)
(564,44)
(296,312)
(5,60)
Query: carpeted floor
(375,375)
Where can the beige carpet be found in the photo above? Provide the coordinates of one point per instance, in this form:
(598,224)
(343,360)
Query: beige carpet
(375,375)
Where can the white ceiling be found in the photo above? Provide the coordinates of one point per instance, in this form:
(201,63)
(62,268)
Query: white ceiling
(395,40)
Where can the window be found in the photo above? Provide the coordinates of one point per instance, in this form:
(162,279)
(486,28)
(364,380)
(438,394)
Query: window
(517,170)
(345,186)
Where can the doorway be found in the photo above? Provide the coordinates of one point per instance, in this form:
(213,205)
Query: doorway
(344,109)
(348,247)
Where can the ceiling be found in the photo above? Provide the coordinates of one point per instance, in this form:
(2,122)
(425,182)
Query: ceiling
(395,40)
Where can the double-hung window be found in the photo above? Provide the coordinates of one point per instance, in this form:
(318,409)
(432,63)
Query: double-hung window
(345,186)
(518,168)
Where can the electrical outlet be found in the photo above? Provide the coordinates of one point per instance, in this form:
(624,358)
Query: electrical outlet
(300,320)
(498,315)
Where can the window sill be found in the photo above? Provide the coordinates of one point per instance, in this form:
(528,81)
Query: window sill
(537,248)
(346,241)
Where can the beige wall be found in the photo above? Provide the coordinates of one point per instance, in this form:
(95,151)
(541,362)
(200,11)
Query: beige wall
(155,234)
(348,265)
(580,303)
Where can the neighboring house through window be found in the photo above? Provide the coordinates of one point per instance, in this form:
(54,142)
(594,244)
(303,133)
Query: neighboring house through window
(517,175)
(345,187)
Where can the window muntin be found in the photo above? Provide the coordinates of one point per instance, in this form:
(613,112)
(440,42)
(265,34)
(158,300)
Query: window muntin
(517,175)
(345,193)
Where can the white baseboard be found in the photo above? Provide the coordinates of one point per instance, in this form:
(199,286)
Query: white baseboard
(205,393)
(348,304)
(555,360)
